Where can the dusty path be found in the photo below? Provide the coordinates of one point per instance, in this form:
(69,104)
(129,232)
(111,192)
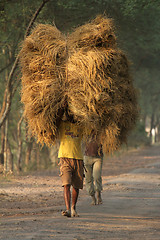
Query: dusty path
(30,205)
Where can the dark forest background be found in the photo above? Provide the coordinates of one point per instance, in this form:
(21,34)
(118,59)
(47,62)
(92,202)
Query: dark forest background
(138,33)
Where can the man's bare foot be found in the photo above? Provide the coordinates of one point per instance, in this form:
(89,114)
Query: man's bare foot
(93,200)
(74,212)
(66,213)
(99,199)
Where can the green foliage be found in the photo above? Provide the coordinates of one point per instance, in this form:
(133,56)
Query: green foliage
(148,83)
(138,137)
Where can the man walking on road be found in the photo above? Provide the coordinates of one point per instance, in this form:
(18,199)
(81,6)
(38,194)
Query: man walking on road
(93,161)
(71,163)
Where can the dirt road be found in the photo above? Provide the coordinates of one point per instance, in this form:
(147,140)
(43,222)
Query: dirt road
(31,205)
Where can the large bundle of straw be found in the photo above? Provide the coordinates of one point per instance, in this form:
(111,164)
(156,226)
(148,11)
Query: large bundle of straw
(93,74)
(43,57)
(101,92)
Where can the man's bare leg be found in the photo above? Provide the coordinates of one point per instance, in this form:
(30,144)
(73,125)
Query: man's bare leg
(75,193)
(67,199)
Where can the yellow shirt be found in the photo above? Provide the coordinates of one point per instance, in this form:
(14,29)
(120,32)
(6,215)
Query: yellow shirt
(70,141)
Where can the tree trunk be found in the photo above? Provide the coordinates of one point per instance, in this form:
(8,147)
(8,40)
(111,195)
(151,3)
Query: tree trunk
(3,130)
(19,154)
(157,129)
(34,156)
(2,148)
(38,158)
(9,158)
(2,144)
(53,155)
(28,153)
(153,129)
(5,146)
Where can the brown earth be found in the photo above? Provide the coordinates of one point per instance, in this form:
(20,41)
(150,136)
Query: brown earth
(31,205)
